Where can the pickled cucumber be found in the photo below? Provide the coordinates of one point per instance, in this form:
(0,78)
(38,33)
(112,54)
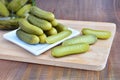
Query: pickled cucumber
(61,51)
(42,14)
(43,24)
(15,5)
(43,38)
(3,10)
(100,34)
(29,28)
(8,27)
(5,2)
(51,32)
(58,37)
(54,22)
(60,27)
(89,39)
(24,10)
(26,37)
(9,24)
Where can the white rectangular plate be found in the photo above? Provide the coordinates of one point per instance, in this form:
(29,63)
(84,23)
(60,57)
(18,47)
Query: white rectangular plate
(38,48)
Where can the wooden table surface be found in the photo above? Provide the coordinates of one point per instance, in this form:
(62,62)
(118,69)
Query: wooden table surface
(83,10)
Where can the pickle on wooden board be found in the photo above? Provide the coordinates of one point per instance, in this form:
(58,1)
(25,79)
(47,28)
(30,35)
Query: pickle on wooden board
(15,5)
(43,24)
(29,28)
(90,39)
(58,37)
(61,51)
(3,10)
(42,13)
(100,34)
(26,37)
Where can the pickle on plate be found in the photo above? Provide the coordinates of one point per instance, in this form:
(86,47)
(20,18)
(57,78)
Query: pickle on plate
(29,28)
(58,37)
(3,10)
(26,37)
(15,5)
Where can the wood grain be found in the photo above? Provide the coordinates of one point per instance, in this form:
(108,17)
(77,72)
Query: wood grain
(84,10)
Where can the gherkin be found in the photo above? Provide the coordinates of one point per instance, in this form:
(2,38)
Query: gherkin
(42,14)
(100,34)
(26,37)
(5,2)
(22,12)
(15,5)
(60,27)
(3,10)
(43,24)
(9,24)
(61,51)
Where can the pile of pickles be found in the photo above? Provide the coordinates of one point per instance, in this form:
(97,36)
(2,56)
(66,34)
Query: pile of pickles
(34,24)
(37,26)
(11,11)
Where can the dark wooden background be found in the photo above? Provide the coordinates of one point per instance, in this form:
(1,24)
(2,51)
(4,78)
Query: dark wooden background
(84,10)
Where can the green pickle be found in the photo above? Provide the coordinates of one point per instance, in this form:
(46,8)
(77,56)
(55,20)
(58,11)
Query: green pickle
(60,27)
(26,37)
(15,5)
(3,10)
(9,24)
(43,24)
(24,10)
(54,22)
(29,28)
(51,32)
(100,34)
(58,37)
(61,51)
(90,39)
(42,38)
(42,13)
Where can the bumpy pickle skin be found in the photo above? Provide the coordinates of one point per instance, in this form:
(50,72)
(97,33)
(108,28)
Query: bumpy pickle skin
(24,10)
(26,37)
(61,51)
(15,5)
(43,24)
(9,24)
(42,13)
(29,28)
(100,34)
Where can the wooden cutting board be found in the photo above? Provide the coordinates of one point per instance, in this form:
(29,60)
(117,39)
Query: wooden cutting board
(94,59)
